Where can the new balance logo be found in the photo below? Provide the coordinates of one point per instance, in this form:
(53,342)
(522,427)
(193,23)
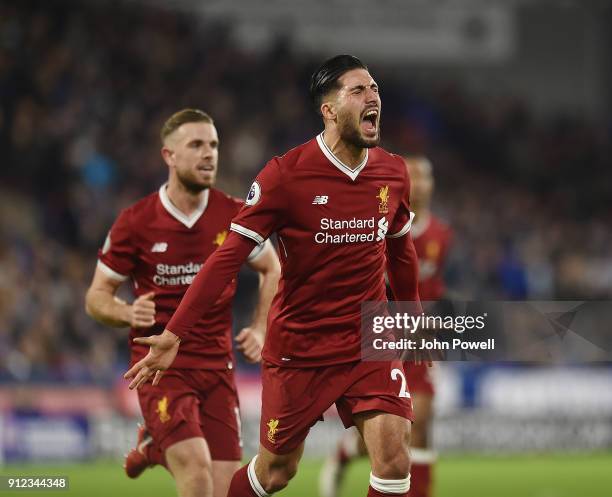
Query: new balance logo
(159,247)
(320,200)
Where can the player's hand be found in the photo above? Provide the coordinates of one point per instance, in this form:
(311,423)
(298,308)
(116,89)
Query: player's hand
(142,311)
(423,356)
(250,342)
(162,351)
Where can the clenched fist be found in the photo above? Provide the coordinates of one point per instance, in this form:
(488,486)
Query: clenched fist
(142,311)
(250,342)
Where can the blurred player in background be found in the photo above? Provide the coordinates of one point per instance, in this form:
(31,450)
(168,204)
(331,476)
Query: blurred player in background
(431,240)
(333,202)
(192,423)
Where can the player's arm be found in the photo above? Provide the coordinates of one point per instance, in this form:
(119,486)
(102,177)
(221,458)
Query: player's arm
(264,213)
(116,260)
(403,268)
(402,260)
(250,339)
(403,274)
(218,272)
(102,304)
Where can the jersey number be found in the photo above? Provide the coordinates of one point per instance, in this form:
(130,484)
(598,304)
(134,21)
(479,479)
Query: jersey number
(403,393)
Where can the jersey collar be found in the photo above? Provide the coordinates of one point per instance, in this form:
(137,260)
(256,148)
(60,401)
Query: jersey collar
(188,221)
(351,173)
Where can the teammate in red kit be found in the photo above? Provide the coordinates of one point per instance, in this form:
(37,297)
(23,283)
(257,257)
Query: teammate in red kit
(339,205)
(432,240)
(191,417)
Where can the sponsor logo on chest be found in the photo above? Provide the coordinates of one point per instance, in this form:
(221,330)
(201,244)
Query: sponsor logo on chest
(175,274)
(355,229)
(179,274)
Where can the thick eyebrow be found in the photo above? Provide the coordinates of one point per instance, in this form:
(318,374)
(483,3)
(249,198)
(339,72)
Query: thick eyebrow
(363,87)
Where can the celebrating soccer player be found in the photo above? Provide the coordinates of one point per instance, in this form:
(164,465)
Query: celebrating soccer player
(431,240)
(192,423)
(339,205)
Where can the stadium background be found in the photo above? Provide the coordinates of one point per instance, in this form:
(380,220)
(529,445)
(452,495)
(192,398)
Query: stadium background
(510,100)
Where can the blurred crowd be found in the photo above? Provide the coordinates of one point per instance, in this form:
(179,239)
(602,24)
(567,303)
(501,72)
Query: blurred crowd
(85,89)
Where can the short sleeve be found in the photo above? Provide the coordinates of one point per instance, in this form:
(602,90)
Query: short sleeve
(117,257)
(265,206)
(258,250)
(403,217)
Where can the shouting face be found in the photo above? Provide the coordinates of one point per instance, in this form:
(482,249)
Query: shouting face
(357,105)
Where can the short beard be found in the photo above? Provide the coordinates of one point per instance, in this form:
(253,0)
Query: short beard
(191,185)
(352,135)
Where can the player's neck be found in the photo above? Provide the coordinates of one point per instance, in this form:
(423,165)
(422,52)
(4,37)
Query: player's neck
(183,199)
(350,155)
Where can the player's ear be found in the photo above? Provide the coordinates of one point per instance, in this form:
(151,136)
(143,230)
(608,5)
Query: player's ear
(167,155)
(328,110)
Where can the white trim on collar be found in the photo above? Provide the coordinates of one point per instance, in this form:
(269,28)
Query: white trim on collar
(188,221)
(351,173)
(420,226)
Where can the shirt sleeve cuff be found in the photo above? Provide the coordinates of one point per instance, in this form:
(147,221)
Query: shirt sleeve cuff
(404,230)
(253,235)
(111,273)
(258,250)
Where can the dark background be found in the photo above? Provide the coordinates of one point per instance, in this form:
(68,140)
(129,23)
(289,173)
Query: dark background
(515,117)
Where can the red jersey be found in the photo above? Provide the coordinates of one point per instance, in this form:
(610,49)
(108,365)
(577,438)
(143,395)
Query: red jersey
(161,250)
(331,223)
(432,239)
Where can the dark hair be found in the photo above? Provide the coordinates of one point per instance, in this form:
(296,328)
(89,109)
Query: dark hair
(181,117)
(325,78)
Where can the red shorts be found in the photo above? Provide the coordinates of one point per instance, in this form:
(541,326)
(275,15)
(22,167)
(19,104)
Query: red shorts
(419,378)
(294,399)
(190,403)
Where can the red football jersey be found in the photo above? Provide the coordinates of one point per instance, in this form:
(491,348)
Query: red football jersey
(331,223)
(432,239)
(161,250)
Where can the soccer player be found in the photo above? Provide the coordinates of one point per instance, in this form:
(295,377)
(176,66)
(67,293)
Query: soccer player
(191,417)
(432,239)
(339,206)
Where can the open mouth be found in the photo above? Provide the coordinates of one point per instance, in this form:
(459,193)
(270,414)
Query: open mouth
(369,122)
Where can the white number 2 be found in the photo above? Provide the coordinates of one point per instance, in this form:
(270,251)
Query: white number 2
(403,393)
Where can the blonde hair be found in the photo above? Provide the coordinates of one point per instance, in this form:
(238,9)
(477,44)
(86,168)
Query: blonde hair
(181,117)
